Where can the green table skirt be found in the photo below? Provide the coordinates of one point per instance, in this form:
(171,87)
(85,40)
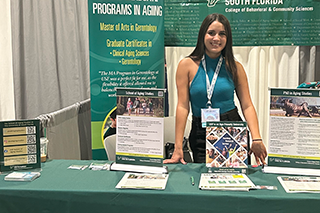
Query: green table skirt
(59,189)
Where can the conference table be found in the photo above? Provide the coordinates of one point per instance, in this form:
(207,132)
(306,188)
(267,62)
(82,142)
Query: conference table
(60,189)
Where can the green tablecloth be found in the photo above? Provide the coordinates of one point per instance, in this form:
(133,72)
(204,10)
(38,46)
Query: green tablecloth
(64,190)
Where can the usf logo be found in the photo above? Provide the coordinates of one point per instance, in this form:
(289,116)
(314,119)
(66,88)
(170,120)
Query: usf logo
(212,3)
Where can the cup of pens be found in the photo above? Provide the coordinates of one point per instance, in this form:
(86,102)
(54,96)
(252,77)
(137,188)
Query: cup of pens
(44,149)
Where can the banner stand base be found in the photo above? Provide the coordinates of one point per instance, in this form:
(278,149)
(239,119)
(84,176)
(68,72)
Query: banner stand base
(137,168)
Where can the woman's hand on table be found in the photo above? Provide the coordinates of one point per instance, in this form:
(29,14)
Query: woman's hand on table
(177,157)
(259,151)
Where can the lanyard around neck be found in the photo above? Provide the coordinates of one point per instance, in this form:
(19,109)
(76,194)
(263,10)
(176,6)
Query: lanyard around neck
(210,87)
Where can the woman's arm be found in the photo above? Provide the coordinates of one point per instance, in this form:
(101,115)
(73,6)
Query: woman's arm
(249,112)
(182,110)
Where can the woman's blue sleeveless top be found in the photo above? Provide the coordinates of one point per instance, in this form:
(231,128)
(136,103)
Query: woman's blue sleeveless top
(223,93)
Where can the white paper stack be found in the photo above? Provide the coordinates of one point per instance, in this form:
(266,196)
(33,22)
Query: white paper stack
(22,176)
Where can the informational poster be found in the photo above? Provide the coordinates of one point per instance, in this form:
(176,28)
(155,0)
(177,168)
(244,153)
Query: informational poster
(140,128)
(253,22)
(126,42)
(294,131)
(227,145)
(20,145)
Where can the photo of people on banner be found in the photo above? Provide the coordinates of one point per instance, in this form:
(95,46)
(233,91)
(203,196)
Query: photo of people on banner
(139,107)
(142,106)
(227,147)
(132,106)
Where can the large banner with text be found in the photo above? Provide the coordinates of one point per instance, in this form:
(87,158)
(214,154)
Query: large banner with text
(253,22)
(126,40)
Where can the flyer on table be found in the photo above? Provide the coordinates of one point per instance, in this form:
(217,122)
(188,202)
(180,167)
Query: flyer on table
(294,135)
(143,181)
(140,127)
(225,181)
(297,184)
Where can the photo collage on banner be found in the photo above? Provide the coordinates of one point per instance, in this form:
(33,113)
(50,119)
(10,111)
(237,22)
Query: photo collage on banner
(126,42)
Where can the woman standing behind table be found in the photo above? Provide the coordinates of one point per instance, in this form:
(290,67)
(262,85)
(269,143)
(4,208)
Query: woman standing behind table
(214,42)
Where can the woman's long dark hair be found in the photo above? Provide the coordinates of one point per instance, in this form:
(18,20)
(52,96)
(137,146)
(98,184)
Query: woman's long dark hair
(227,52)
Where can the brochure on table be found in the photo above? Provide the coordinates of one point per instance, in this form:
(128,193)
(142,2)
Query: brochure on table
(294,132)
(139,140)
(227,146)
(297,184)
(225,181)
(20,145)
(143,181)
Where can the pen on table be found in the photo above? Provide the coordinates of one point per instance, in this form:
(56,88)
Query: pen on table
(192,180)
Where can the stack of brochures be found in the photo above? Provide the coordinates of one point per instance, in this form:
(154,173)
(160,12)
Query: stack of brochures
(22,176)
(225,181)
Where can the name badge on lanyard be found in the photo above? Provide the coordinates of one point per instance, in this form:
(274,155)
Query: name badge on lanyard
(210,114)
